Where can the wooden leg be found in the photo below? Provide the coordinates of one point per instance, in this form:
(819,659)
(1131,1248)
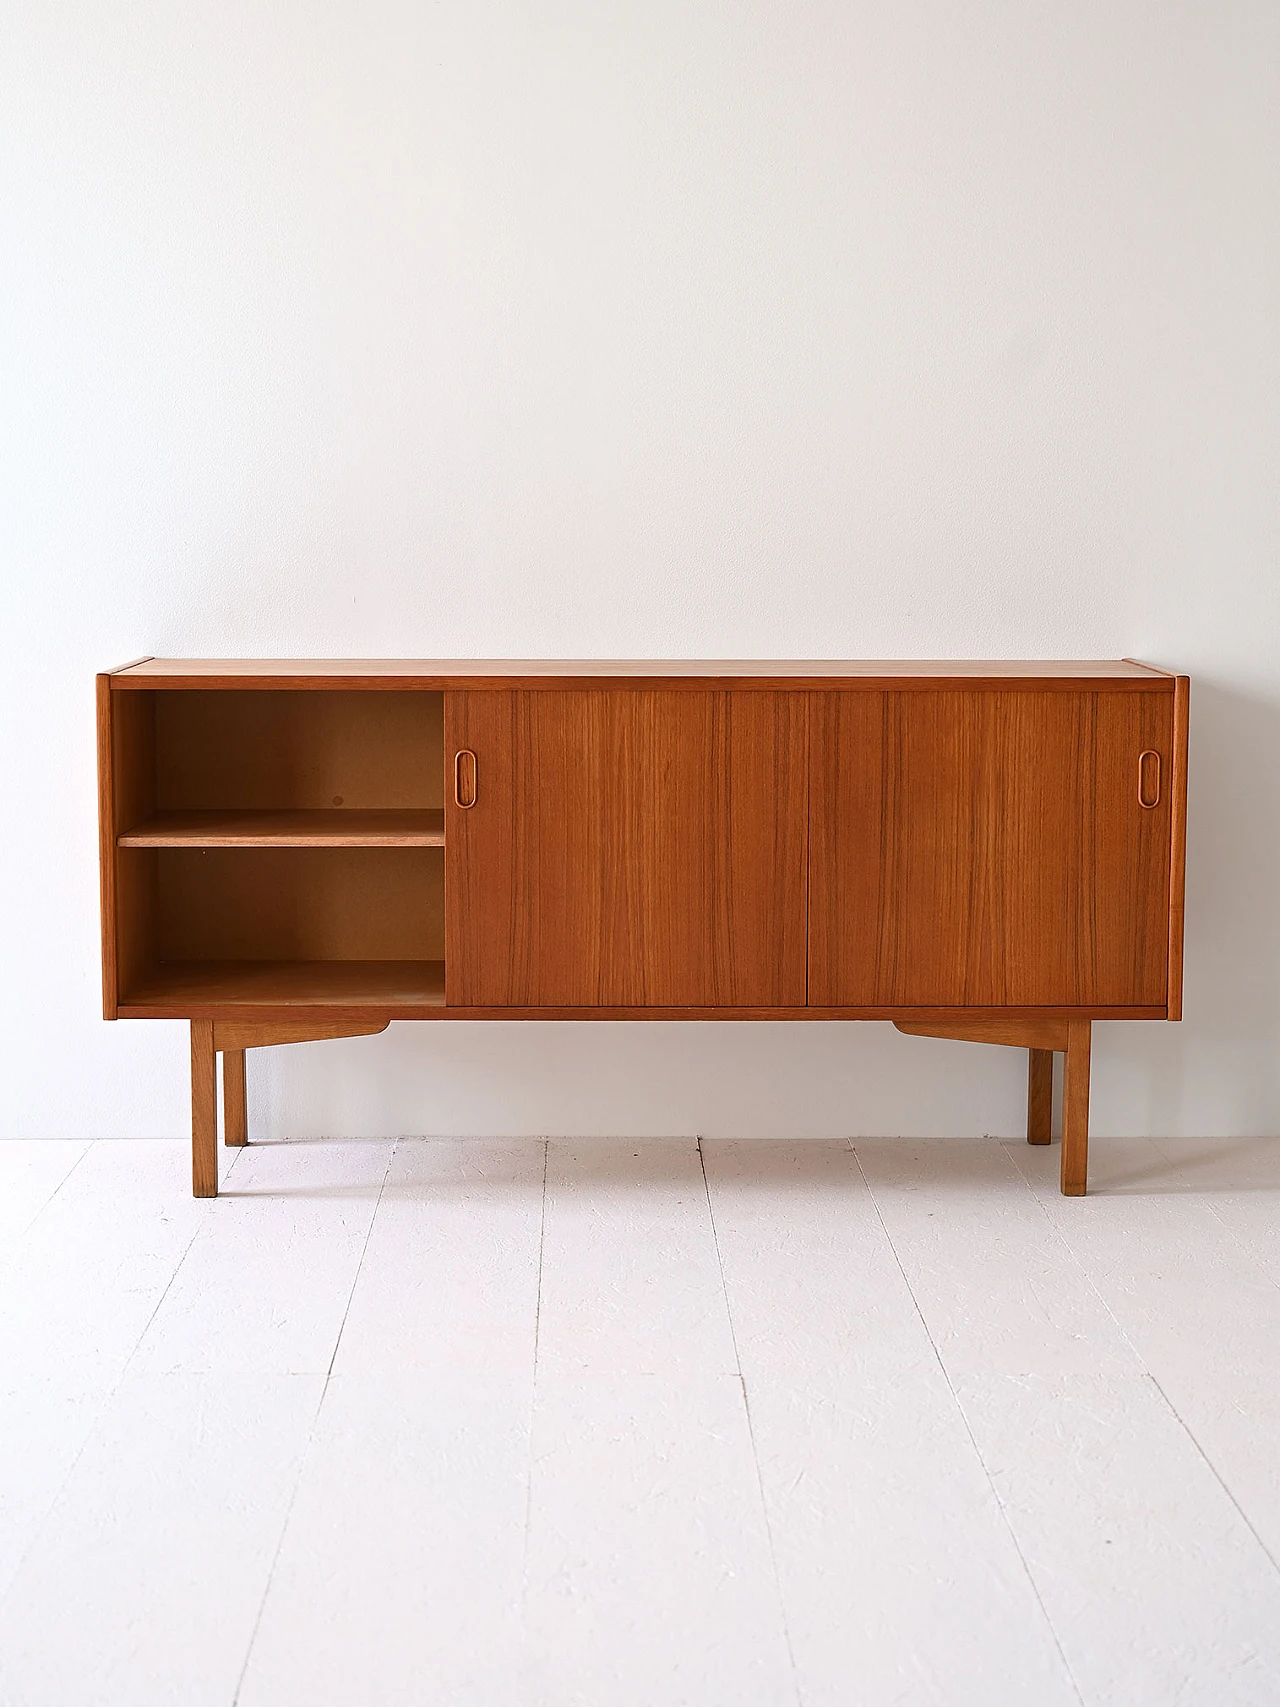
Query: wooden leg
(235,1107)
(1039,1096)
(1075,1110)
(204,1110)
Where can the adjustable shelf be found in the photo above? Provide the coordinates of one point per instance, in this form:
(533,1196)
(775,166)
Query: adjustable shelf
(335,827)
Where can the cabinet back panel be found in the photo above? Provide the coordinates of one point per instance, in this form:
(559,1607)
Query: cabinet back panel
(300,903)
(988,848)
(258,749)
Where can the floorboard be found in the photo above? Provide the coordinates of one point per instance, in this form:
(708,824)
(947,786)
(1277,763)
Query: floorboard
(536,1422)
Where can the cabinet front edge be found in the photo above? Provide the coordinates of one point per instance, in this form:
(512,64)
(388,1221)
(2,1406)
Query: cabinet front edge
(106,847)
(1178,844)
(647,684)
(331,1013)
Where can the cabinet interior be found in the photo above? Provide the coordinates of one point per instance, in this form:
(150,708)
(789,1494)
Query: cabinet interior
(277,845)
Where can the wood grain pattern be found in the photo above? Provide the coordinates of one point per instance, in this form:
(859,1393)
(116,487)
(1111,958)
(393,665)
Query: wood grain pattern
(635,848)
(988,849)
(132,797)
(1075,1110)
(673,674)
(253,945)
(133,734)
(406,827)
(204,1110)
(295,750)
(1033,1034)
(180,989)
(237,1035)
(106,847)
(1178,840)
(1039,1096)
(300,904)
(231,991)
(235,1096)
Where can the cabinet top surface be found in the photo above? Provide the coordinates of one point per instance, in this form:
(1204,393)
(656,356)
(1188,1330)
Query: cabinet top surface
(509,672)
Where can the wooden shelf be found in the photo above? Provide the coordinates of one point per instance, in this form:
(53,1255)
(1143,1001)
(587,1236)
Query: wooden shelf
(403,827)
(173,988)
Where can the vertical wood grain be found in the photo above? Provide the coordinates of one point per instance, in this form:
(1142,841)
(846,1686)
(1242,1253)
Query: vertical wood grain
(987,848)
(1178,840)
(136,869)
(126,795)
(1039,1096)
(325,904)
(1075,1109)
(297,749)
(235,1101)
(628,847)
(107,849)
(204,1110)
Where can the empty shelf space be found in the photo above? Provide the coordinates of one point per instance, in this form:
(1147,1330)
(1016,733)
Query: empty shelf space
(178,985)
(339,827)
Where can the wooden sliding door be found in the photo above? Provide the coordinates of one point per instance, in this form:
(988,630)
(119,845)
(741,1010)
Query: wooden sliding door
(625,848)
(990,848)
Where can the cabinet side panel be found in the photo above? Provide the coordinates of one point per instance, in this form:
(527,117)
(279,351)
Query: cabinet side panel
(133,766)
(133,722)
(107,849)
(126,795)
(1178,836)
(136,910)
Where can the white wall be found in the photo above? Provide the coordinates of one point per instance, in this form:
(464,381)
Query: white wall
(826,328)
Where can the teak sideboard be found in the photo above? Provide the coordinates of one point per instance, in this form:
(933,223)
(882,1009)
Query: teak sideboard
(311,849)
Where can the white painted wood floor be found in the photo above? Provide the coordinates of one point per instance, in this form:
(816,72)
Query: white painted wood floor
(640,1423)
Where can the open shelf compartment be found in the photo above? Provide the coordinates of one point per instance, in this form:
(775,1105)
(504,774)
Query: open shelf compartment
(278,849)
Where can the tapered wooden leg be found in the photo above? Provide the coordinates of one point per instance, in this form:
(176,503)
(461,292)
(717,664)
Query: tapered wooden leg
(1039,1096)
(1075,1110)
(235,1108)
(204,1110)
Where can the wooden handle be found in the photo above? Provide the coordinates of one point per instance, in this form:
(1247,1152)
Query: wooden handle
(1149,778)
(464,779)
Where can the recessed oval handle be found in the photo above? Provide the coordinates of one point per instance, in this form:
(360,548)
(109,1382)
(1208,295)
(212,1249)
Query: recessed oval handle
(1149,778)
(464,779)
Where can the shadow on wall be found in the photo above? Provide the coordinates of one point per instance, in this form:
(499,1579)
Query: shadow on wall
(1212,1074)
(1216,1072)
(656,1078)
